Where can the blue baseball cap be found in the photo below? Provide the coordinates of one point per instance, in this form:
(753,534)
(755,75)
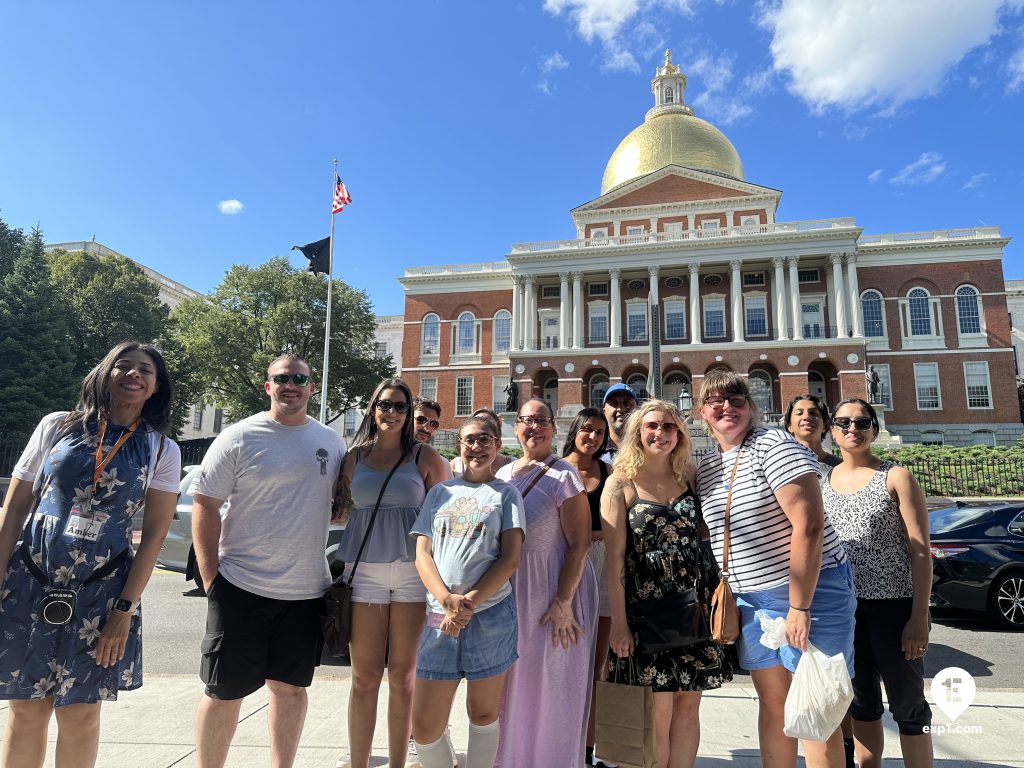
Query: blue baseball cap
(615,389)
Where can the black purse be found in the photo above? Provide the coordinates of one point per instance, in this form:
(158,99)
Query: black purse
(667,623)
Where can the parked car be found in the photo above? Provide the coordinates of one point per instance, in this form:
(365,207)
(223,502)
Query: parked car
(174,554)
(978,560)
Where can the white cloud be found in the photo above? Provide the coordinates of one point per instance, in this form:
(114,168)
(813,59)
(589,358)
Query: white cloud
(853,54)
(230,207)
(1015,68)
(855,132)
(716,100)
(875,175)
(548,65)
(760,81)
(975,181)
(926,169)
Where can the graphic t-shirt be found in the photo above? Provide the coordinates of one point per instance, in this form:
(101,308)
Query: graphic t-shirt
(464,522)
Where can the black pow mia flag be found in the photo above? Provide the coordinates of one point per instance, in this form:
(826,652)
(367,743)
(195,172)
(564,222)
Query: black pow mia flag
(319,255)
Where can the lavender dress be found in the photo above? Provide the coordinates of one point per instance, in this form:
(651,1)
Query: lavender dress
(546,700)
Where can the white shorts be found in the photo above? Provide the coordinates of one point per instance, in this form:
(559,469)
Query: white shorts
(383,583)
(597,558)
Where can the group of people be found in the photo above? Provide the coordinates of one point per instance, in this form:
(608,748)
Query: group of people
(524,576)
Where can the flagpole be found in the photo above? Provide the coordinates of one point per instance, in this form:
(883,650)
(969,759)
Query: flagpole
(330,296)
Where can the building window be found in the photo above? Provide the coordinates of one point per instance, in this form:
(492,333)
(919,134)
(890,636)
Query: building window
(351,419)
(674,230)
(502,331)
(598,325)
(634,230)
(920,312)
(751,279)
(428,389)
(673,282)
(463,395)
(636,285)
(812,320)
(465,343)
(984,437)
(498,396)
(675,319)
(598,386)
(599,232)
(926,380)
(197,416)
(710,224)
(871,310)
(380,349)
(549,331)
(218,420)
(638,383)
(677,391)
(979,388)
(756,311)
(750,221)
(670,95)
(550,291)
(597,289)
(968,310)
(760,384)
(431,340)
(714,318)
(636,322)
(808,275)
(884,385)
(932,437)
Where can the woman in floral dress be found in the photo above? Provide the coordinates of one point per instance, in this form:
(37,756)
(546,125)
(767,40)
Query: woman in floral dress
(92,470)
(653,534)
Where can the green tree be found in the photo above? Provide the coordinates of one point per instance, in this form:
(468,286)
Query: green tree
(37,367)
(11,243)
(259,312)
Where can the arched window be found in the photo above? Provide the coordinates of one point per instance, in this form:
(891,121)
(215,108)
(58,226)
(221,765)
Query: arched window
(968,309)
(598,386)
(466,338)
(670,96)
(678,392)
(983,437)
(431,339)
(920,312)
(760,384)
(638,383)
(502,331)
(871,311)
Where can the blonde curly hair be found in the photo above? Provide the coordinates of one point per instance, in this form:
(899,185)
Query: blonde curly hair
(631,455)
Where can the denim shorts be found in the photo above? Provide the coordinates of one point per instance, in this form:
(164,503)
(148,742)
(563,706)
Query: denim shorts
(484,648)
(833,612)
(385,583)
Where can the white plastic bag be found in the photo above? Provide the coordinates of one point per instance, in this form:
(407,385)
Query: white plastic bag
(820,692)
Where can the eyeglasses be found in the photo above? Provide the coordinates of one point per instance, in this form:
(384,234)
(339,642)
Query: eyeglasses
(387,406)
(484,441)
(534,421)
(300,379)
(717,401)
(668,427)
(862,424)
(423,421)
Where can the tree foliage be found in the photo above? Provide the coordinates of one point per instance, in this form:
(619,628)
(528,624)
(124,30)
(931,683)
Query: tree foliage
(258,313)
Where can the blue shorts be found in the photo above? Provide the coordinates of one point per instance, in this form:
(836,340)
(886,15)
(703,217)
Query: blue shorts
(833,612)
(484,648)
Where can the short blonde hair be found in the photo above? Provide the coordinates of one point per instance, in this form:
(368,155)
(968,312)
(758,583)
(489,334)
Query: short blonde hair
(723,384)
(631,455)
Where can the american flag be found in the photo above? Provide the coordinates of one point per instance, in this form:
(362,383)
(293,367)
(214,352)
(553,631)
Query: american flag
(341,195)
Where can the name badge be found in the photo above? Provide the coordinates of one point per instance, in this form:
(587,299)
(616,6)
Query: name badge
(82,525)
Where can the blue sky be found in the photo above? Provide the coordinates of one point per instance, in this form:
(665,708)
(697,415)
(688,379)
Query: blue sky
(463,127)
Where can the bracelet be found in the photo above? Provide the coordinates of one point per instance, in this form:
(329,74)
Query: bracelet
(802,610)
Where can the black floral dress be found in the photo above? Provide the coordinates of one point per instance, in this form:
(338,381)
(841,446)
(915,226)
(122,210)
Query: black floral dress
(664,556)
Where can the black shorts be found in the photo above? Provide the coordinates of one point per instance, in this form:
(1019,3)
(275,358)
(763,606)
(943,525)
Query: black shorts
(251,639)
(878,658)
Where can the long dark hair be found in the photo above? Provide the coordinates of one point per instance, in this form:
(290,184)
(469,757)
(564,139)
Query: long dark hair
(570,439)
(366,435)
(865,405)
(94,400)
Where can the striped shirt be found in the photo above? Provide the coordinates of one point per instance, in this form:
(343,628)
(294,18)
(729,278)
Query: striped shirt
(760,532)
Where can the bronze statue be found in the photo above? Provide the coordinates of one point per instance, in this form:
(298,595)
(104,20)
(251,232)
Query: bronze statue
(512,401)
(874,384)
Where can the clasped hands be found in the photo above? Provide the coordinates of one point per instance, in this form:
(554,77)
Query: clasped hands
(458,610)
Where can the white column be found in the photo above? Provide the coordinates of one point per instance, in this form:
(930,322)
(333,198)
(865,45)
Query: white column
(794,299)
(840,291)
(577,310)
(564,329)
(615,311)
(530,314)
(517,312)
(653,300)
(695,304)
(855,308)
(737,300)
(779,282)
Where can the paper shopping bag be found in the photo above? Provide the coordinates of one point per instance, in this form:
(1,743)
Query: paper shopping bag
(625,725)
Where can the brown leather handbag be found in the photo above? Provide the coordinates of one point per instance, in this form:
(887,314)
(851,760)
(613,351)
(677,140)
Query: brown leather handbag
(725,614)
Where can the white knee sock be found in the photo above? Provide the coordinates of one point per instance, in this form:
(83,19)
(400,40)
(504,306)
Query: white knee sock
(483,745)
(437,754)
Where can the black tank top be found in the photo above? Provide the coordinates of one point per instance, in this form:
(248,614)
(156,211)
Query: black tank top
(594,497)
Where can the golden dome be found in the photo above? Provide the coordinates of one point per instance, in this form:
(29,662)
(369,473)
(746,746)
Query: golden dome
(671,135)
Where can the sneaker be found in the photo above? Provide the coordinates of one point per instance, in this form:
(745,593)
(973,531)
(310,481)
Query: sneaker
(343,762)
(599,763)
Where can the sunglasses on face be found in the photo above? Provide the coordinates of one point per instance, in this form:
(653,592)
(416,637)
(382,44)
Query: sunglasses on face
(717,401)
(484,441)
(668,427)
(861,424)
(534,421)
(423,421)
(387,406)
(281,379)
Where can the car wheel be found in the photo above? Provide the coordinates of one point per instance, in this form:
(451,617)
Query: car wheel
(1006,600)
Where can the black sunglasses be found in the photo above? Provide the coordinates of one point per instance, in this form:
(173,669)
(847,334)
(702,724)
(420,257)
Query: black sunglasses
(300,379)
(387,406)
(423,421)
(863,423)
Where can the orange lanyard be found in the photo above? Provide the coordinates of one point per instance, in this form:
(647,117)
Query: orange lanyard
(101,460)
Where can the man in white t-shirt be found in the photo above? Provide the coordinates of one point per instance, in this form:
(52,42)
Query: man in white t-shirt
(261,555)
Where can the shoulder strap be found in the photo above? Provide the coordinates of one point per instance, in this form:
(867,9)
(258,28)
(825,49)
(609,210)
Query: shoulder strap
(373,518)
(728,507)
(543,471)
(419,452)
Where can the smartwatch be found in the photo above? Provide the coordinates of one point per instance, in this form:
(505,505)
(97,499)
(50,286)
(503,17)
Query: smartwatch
(123,605)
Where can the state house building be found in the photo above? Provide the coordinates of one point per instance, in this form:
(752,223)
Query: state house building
(679,244)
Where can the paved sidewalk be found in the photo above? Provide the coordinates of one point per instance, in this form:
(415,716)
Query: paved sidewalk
(152,728)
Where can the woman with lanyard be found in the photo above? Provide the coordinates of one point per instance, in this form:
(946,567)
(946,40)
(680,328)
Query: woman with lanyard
(70,614)
(762,503)
(547,693)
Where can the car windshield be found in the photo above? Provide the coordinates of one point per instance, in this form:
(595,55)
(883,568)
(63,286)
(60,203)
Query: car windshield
(946,520)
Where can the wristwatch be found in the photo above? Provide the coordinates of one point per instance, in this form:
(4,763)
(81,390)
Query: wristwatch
(123,605)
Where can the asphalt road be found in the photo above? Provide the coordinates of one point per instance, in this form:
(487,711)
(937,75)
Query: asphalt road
(173,627)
